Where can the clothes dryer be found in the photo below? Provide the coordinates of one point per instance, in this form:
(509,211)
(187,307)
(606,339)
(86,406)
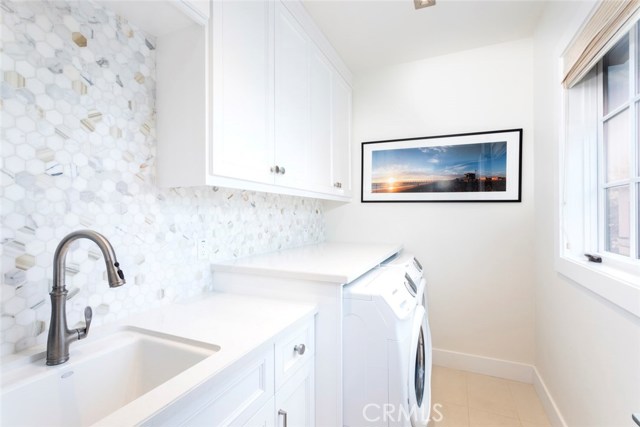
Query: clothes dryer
(414,275)
(387,352)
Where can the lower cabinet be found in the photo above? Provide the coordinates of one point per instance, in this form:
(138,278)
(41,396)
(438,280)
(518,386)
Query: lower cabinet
(263,418)
(271,387)
(295,400)
(293,404)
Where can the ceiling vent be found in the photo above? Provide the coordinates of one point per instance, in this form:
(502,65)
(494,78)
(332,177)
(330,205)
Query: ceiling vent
(419,4)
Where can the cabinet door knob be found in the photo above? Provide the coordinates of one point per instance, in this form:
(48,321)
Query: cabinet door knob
(282,170)
(300,349)
(337,184)
(284,417)
(275,169)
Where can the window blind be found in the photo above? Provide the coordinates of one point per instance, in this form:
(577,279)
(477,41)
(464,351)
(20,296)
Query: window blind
(610,20)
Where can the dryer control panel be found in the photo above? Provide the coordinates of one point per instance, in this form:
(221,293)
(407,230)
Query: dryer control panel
(413,276)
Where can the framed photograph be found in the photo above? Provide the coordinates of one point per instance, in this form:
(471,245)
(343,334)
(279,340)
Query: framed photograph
(468,167)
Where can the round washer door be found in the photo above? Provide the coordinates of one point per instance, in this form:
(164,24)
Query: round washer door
(420,370)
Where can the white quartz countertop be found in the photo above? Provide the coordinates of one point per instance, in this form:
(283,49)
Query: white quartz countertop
(238,324)
(333,262)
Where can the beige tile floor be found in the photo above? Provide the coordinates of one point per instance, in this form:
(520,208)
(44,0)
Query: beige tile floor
(473,400)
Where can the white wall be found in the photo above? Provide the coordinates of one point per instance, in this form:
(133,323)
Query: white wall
(478,256)
(587,350)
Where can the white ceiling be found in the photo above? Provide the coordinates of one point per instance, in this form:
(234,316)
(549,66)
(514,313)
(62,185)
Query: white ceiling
(375,33)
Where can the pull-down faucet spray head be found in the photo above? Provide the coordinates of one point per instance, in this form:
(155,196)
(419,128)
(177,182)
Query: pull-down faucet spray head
(115,276)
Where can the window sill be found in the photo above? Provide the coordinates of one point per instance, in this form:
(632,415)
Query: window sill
(619,288)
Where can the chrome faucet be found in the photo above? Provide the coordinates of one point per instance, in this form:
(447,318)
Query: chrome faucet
(60,337)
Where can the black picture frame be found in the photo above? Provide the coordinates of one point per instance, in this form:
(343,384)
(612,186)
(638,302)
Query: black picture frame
(465,167)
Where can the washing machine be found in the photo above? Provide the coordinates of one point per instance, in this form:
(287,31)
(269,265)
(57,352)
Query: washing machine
(387,350)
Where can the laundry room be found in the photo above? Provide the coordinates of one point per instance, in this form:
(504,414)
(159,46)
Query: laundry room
(325,213)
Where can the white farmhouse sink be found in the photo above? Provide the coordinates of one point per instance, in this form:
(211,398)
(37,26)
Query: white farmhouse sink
(101,377)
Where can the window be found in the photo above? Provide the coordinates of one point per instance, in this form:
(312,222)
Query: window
(600,170)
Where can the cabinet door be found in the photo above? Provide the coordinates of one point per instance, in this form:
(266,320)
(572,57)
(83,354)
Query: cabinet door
(229,398)
(341,138)
(292,130)
(321,106)
(295,405)
(242,144)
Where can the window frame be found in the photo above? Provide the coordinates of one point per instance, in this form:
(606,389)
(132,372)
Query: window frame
(617,279)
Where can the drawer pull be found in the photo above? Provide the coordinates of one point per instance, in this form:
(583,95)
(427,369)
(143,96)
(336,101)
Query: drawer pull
(277,169)
(300,349)
(284,417)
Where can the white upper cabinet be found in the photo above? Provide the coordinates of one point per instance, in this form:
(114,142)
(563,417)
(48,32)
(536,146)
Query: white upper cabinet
(255,99)
(292,104)
(321,110)
(341,135)
(242,145)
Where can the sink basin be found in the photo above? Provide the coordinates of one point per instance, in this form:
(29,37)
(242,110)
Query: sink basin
(101,377)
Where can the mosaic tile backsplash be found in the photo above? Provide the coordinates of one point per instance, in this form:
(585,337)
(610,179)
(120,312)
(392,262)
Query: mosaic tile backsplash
(78,147)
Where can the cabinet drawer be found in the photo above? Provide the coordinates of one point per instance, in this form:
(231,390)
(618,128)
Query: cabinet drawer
(292,351)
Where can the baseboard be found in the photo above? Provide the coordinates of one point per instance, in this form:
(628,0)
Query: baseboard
(505,369)
(484,365)
(550,407)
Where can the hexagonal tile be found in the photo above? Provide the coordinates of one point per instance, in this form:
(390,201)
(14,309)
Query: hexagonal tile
(36,273)
(54,117)
(6,322)
(25,95)
(15,79)
(14,306)
(45,50)
(14,164)
(14,107)
(35,166)
(55,195)
(25,124)
(25,69)
(14,334)
(44,23)
(25,262)
(7,120)
(14,136)
(25,152)
(70,22)
(63,80)
(45,102)
(35,86)
(25,317)
(45,76)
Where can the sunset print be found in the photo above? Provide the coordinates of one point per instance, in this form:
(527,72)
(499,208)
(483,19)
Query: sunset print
(477,167)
